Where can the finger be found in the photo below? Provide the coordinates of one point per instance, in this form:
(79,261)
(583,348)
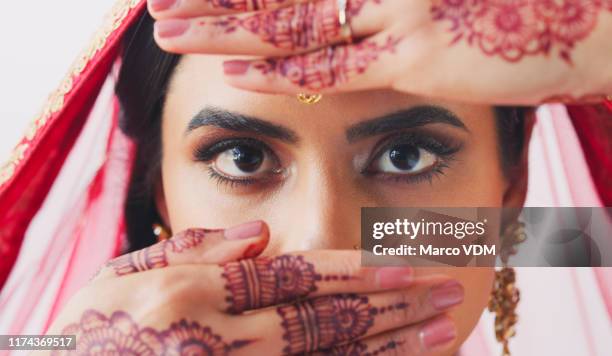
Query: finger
(162,9)
(266,281)
(433,336)
(294,29)
(365,65)
(195,246)
(324,322)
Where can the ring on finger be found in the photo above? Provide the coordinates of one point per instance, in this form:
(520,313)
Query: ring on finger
(345,27)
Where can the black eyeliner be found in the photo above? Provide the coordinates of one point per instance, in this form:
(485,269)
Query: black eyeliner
(440,146)
(209,152)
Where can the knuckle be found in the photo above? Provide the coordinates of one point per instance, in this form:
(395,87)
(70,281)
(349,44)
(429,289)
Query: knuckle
(404,345)
(408,310)
(169,287)
(394,346)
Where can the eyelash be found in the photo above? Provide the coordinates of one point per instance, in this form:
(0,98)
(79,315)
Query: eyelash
(442,147)
(210,152)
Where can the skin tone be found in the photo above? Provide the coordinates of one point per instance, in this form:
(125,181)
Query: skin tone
(321,183)
(427,48)
(315,166)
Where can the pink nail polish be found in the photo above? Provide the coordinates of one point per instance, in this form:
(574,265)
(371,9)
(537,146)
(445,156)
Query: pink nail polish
(437,332)
(171,28)
(394,277)
(235,67)
(446,295)
(160,5)
(244,231)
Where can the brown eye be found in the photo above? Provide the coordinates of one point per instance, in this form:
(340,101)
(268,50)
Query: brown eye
(405,159)
(243,161)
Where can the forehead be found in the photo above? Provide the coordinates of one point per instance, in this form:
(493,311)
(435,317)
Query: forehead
(198,83)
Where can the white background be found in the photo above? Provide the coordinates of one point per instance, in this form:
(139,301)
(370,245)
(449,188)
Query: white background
(39,40)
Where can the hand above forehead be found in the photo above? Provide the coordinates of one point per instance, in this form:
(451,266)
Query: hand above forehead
(491,52)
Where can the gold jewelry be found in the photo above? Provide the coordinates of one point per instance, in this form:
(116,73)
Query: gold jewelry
(161,232)
(513,235)
(347,35)
(345,27)
(309,98)
(503,303)
(505,295)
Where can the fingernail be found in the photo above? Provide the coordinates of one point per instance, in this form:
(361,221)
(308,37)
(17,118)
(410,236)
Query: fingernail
(235,67)
(160,5)
(438,332)
(244,231)
(391,277)
(171,28)
(446,295)
(252,251)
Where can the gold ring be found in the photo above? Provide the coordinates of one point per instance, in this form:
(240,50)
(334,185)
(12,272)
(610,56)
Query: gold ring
(345,27)
(309,98)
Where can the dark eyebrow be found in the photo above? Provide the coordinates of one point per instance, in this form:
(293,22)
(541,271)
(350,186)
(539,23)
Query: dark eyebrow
(403,119)
(212,116)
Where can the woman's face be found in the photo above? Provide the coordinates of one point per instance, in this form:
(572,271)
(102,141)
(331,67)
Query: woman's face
(231,156)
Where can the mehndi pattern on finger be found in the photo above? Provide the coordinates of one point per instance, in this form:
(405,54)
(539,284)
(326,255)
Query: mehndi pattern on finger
(246,5)
(328,67)
(119,334)
(322,322)
(262,282)
(360,348)
(515,29)
(156,256)
(302,26)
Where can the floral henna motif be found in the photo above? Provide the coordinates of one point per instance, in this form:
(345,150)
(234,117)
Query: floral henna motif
(246,5)
(184,338)
(360,349)
(327,67)
(513,29)
(156,256)
(304,25)
(121,335)
(323,322)
(262,282)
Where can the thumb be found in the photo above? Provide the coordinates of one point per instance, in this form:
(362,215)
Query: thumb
(194,246)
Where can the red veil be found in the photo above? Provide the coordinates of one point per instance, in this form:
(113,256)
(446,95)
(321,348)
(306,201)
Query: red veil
(62,249)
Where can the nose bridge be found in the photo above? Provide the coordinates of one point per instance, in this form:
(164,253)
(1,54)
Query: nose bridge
(327,210)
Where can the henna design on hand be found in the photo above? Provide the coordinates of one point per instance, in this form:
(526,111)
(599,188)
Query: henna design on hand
(515,29)
(262,282)
(323,322)
(301,26)
(328,67)
(360,349)
(156,256)
(245,5)
(98,334)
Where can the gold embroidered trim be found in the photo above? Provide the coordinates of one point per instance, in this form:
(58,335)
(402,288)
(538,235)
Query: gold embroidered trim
(55,102)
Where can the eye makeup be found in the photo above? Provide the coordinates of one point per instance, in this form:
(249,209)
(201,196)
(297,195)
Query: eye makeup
(443,147)
(208,153)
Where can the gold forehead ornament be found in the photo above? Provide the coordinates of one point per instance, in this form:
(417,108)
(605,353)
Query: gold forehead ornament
(309,98)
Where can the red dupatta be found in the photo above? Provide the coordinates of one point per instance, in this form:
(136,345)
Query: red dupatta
(27,178)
